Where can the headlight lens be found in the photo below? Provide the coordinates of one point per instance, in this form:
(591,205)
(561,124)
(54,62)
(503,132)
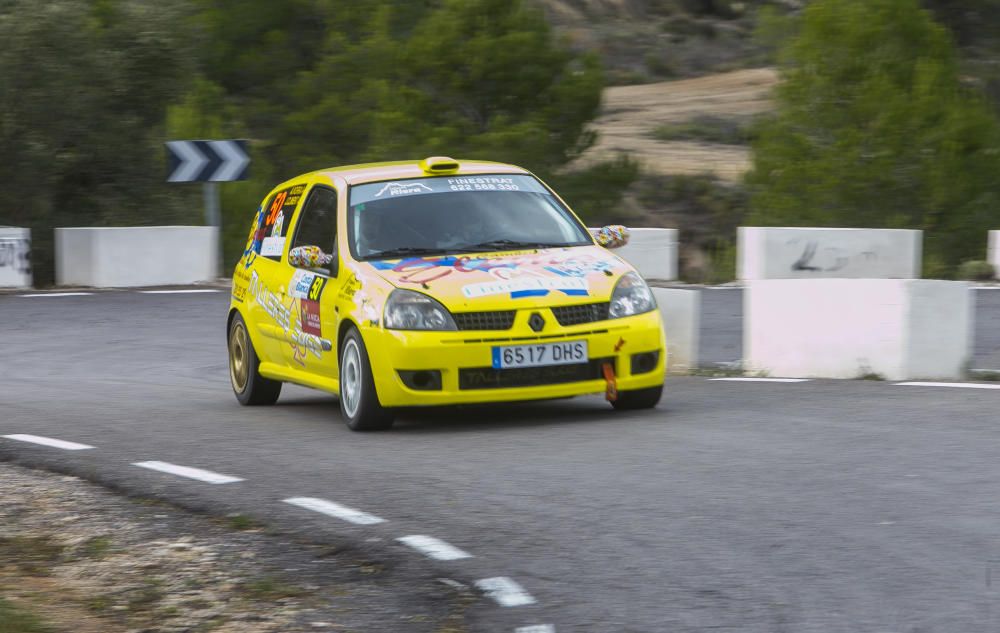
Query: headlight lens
(631,296)
(409,310)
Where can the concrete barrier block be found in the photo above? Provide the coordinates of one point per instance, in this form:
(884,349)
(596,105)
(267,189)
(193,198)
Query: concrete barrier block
(846,328)
(15,257)
(119,257)
(681,314)
(993,252)
(653,252)
(824,253)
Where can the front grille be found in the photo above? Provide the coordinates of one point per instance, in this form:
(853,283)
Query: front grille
(498,320)
(587,313)
(489,378)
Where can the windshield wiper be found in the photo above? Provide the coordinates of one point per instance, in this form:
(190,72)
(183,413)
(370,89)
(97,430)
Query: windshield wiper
(403,251)
(493,245)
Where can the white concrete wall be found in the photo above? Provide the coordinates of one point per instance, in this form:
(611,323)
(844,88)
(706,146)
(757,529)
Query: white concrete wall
(653,252)
(993,252)
(681,314)
(15,262)
(817,253)
(117,257)
(843,328)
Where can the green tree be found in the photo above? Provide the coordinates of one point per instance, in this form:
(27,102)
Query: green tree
(83,91)
(398,79)
(875,129)
(468,78)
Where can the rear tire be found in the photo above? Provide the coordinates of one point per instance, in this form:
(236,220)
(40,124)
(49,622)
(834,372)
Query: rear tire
(359,403)
(638,399)
(250,387)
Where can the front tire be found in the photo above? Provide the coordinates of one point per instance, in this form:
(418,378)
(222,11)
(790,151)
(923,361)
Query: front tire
(359,403)
(638,399)
(250,387)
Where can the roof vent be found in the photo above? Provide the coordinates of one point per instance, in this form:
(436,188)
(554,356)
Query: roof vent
(439,165)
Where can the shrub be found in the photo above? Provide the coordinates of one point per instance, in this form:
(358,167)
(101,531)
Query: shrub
(976,270)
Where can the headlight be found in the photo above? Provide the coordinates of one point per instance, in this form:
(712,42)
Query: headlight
(631,296)
(409,310)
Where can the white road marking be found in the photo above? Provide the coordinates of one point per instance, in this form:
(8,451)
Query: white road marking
(59,294)
(958,385)
(48,441)
(536,628)
(433,547)
(763,379)
(505,591)
(336,510)
(191,473)
(178,292)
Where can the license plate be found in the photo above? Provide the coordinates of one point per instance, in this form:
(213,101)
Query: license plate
(540,355)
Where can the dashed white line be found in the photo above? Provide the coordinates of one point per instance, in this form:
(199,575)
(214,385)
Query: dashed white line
(505,591)
(59,294)
(762,379)
(433,547)
(178,292)
(957,385)
(207,476)
(48,441)
(536,628)
(335,510)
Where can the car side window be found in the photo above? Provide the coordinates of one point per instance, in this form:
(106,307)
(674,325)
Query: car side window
(315,243)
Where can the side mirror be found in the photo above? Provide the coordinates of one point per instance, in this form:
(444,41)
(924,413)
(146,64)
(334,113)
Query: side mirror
(611,236)
(309,256)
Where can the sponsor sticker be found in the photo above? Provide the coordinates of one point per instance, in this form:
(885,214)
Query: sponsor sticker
(528,286)
(403,189)
(301,282)
(272,246)
(311,323)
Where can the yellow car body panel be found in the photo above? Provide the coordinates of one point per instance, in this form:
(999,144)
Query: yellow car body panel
(297,318)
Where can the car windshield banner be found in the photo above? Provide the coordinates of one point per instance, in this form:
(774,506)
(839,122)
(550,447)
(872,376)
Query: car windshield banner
(361,194)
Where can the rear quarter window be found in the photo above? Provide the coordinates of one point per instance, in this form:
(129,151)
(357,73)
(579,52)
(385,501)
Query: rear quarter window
(271,224)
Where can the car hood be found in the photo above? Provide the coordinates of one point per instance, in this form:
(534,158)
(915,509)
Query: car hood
(505,280)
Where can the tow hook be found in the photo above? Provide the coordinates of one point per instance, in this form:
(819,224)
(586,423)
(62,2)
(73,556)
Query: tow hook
(611,393)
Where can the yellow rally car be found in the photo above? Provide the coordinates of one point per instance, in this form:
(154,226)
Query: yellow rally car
(435,282)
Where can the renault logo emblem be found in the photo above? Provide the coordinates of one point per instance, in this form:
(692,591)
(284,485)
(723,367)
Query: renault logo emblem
(536,322)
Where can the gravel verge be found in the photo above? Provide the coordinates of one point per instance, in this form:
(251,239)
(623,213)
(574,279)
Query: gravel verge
(77,557)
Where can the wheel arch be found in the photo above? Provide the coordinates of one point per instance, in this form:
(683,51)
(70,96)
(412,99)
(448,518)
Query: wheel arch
(345,324)
(233,311)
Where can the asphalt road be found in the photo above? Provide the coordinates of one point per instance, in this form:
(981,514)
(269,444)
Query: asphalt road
(722,327)
(821,506)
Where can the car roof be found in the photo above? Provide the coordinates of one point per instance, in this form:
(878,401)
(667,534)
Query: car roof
(403,169)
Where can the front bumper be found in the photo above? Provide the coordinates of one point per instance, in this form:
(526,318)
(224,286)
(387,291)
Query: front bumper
(616,340)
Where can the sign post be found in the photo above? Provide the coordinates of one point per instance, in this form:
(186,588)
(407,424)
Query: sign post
(210,162)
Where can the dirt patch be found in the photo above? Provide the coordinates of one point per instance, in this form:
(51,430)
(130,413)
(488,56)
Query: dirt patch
(630,115)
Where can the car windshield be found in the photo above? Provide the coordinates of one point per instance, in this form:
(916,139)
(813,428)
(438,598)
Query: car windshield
(448,214)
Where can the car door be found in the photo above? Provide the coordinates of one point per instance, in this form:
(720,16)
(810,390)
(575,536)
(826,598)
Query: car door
(313,284)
